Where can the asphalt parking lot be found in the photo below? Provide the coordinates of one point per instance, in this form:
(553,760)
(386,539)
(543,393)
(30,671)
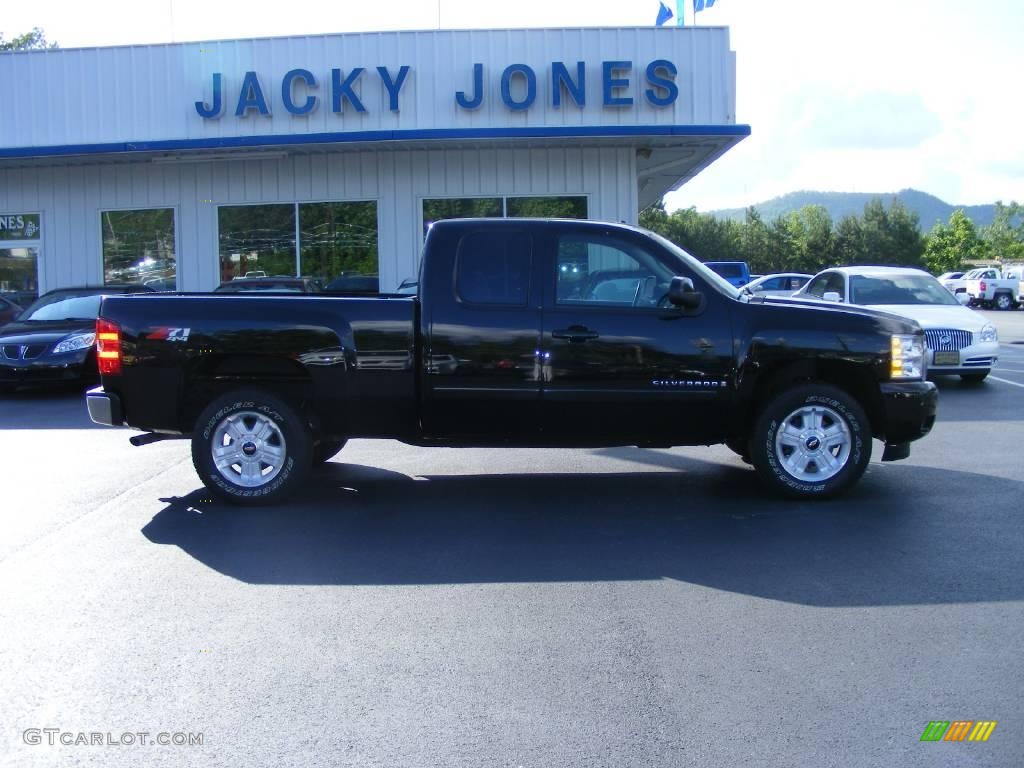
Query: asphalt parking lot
(445,607)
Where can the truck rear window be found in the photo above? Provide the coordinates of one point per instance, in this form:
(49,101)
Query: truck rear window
(493,267)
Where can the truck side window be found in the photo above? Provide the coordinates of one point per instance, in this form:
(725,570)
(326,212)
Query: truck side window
(493,267)
(594,269)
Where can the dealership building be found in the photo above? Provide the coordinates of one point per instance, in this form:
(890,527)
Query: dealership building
(188,164)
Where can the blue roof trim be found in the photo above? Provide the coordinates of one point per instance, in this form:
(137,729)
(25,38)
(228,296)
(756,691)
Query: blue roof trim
(353,137)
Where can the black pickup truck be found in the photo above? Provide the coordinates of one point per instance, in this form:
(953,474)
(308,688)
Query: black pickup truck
(524,332)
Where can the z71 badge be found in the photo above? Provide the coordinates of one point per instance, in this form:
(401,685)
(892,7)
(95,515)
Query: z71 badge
(169,334)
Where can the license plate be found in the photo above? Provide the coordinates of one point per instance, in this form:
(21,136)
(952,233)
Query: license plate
(946,358)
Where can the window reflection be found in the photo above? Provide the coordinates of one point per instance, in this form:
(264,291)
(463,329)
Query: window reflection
(139,248)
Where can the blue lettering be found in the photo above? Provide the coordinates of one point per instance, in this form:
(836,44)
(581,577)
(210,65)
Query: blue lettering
(393,86)
(218,101)
(560,77)
(666,84)
(286,91)
(251,97)
(478,90)
(506,86)
(610,83)
(341,90)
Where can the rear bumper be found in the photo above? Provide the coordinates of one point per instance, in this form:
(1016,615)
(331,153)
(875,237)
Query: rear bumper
(909,413)
(104,407)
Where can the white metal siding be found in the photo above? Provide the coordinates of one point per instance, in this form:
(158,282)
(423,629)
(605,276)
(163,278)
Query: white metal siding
(70,197)
(147,93)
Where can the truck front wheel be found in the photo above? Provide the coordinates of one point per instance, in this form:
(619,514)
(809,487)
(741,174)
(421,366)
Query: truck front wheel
(812,441)
(251,447)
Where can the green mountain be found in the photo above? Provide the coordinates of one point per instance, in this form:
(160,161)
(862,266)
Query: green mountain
(839,204)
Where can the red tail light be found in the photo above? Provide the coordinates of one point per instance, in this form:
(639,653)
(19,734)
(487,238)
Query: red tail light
(982,286)
(108,347)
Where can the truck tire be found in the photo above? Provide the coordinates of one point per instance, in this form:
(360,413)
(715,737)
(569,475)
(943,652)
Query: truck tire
(325,450)
(1004,301)
(250,447)
(812,441)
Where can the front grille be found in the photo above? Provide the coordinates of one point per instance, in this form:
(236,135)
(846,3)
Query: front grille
(947,339)
(22,351)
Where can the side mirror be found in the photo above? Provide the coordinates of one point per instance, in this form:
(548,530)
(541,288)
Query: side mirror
(832,296)
(682,293)
(963,297)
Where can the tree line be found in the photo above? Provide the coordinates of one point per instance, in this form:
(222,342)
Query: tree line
(808,240)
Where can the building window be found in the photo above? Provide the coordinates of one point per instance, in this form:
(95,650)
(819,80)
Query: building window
(20,242)
(256,240)
(338,240)
(138,247)
(568,207)
(332,240)
(547,207)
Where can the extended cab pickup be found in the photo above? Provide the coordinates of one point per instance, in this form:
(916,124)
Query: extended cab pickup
(989,288)
(524,332)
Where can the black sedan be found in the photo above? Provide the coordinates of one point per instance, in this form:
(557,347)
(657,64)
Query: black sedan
(8,310)
(52,340)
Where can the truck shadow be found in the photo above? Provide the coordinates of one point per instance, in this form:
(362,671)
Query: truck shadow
(905,535)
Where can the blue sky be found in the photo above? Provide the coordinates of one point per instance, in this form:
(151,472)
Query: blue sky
(855,96)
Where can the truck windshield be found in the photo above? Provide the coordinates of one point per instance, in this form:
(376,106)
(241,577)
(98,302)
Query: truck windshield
(693,264)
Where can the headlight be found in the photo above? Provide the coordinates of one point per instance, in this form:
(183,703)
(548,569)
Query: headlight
(74,343)
(907,357)
(988,333)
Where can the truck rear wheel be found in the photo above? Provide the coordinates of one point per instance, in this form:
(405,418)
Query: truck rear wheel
(251,447)
(812,441)
(1004,301)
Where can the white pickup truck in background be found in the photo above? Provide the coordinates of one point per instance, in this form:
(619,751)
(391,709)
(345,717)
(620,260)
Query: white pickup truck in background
(988,288)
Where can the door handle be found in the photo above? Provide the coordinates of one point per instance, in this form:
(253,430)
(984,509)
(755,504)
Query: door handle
(574,333)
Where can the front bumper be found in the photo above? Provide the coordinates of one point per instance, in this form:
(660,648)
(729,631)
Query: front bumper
(975,358)
(104,407)
(41,372)
(909,413)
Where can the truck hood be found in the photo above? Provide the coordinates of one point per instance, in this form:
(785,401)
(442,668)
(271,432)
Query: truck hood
(891,321)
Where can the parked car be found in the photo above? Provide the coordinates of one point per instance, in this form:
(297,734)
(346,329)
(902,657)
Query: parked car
(8,311)
(354,284)
(782,284)
(952,281)
(269,285)
(960,341)
(647,347)
(736,272)
(993,290)
(52,340)
(408,287)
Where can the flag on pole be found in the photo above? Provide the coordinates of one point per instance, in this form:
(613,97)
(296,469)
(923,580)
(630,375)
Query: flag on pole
(664,14)
(700,5)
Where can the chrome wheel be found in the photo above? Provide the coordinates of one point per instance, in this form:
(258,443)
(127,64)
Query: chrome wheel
(813,443)
(248,449)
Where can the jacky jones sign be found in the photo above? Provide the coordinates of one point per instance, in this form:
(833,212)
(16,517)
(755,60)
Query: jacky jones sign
(618,83)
